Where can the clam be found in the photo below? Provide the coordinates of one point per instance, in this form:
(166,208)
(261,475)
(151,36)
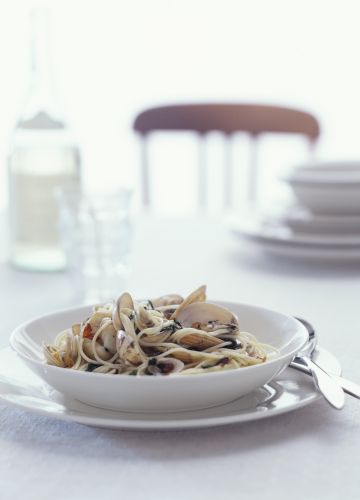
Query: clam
(128,326)
(101,351)
(167,300)
(208,317)
(168,310)
(198,340)
(105,343)
(107,336)
(123,304)
(199,295)
(125,349)
(163,366)
(186,356)
(156,338)
(53,356)
(147,318)
(125,301)
(63,353)
(152,350)
(96,318)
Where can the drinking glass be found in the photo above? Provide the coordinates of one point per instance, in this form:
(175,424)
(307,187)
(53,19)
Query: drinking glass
(96,235)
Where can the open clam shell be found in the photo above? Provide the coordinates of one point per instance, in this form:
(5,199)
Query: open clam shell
(123,303)
(163,366)
(208,317)
(198,341)
(168,310)
(63,353)
(167,300)
(198,295)
(125,349)
(147,318)
(88,347)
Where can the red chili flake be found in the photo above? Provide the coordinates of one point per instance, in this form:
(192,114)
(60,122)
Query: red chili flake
(87,333)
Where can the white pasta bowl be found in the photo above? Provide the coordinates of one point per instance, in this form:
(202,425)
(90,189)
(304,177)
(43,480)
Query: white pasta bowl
(327,188)
(328,198)
(163,393)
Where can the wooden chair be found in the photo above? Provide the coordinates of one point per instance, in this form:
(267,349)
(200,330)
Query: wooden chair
(229,119)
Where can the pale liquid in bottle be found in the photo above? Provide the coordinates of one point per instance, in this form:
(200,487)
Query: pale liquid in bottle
(40,164)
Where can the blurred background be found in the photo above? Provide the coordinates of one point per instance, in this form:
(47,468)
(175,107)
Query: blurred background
(111,59)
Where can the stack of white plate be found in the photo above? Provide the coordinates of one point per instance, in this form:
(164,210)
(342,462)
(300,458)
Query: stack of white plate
(324,224)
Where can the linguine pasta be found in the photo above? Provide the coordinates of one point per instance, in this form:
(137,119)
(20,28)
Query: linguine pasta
(157,337)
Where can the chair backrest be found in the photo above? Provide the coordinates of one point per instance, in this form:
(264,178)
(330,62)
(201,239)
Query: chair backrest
(254,119)
(228,118)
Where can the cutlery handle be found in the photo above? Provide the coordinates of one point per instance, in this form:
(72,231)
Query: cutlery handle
(328,386)
(348,386)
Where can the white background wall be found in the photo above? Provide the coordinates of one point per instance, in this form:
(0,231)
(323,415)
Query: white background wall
(113,58)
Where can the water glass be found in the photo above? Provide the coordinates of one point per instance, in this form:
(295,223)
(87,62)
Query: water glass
(96,235)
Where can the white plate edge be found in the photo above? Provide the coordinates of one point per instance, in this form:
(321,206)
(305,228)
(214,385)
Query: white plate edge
(127,424)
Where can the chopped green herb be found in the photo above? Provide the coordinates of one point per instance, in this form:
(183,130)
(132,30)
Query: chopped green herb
(171,327)
(234,343)
(149,305)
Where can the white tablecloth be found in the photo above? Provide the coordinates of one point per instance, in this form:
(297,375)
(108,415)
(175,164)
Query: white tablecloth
(311,453)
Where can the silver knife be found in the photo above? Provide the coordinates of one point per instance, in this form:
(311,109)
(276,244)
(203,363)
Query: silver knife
(348,386)
(329,388)
(323,359)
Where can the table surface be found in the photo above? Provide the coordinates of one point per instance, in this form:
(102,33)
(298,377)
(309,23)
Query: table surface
(310,453)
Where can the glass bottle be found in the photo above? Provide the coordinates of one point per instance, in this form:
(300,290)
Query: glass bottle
(43,158)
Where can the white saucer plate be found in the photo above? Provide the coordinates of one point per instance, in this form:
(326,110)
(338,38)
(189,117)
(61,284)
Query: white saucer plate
(328,172)
(290,390)
(302,222)
(281,241)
